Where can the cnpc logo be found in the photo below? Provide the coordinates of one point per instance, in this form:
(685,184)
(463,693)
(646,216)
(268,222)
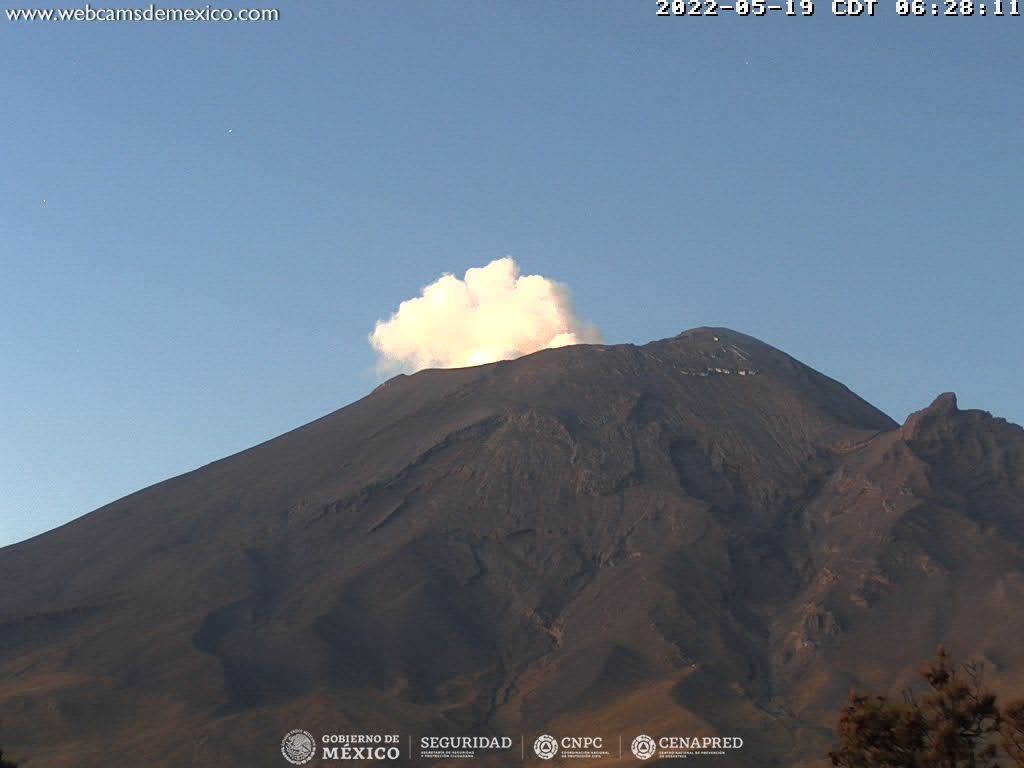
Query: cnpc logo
(546,747)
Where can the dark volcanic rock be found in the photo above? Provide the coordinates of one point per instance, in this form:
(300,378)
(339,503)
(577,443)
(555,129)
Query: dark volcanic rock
(697,535)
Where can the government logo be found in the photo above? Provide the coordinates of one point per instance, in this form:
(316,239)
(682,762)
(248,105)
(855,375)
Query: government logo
(298,747)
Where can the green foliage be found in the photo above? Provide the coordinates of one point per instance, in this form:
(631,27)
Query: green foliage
(1013,731)
(956,723)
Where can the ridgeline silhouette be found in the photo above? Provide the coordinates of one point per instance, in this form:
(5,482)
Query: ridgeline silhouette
(697,536)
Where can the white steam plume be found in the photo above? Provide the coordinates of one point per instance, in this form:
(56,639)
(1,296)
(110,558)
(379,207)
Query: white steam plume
(493,313)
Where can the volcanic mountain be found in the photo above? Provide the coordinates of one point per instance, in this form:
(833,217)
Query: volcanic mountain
(696,536)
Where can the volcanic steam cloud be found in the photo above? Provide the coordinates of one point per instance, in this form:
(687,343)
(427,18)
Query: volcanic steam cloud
(492,313)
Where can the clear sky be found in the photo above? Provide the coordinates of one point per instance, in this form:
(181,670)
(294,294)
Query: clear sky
(230,207)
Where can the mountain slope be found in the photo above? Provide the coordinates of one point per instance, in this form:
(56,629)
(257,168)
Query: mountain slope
(700,534)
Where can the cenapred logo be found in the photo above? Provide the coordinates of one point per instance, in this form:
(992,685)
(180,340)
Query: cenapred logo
(546,747)
(298,746)
(643,747)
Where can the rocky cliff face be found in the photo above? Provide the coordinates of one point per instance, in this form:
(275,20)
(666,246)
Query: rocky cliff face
(697,534)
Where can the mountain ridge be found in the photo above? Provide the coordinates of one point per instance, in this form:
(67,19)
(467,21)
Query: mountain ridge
(698,532)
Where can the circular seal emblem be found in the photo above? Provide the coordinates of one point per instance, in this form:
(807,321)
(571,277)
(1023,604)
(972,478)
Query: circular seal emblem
(298,746)
(546,747)
(643,747)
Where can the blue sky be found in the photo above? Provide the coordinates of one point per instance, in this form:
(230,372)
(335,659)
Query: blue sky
(230,207)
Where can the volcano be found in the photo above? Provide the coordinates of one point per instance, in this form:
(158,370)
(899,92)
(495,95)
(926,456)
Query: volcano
(697,536)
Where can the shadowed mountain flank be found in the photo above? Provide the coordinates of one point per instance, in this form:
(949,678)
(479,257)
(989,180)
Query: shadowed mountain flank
(699,534)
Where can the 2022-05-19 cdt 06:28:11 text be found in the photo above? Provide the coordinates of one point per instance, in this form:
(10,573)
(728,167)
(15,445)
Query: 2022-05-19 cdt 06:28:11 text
(680,8)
